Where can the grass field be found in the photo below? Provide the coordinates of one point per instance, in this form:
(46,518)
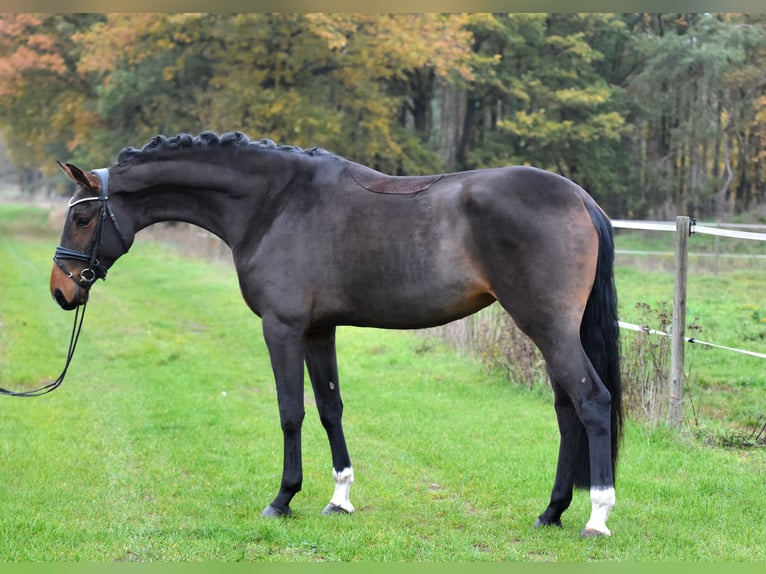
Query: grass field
(163,444)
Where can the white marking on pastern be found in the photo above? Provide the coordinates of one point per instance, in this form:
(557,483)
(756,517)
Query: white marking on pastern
(602,501)
(343,481)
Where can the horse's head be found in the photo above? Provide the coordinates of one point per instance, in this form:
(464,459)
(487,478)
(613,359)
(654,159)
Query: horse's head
(91,241)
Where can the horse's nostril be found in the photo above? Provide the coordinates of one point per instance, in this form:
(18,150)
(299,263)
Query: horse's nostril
(62,301)
(59,297)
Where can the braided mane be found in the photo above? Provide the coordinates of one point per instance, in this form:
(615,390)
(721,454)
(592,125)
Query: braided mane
(234,139)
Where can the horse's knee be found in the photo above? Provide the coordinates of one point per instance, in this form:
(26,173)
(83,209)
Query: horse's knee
(292,423)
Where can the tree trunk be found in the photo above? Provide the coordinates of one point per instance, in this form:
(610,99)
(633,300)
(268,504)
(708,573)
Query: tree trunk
(452,106)
(468,139)
(422,84)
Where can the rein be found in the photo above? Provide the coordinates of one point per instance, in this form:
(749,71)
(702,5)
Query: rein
(53,385)
(94,270)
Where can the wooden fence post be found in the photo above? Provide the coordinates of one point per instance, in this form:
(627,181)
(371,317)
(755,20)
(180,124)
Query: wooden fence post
(675,414)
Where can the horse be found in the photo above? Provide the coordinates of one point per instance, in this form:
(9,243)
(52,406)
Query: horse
(319,241)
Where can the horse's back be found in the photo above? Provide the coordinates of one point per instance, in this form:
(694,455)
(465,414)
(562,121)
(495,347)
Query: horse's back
(372,180)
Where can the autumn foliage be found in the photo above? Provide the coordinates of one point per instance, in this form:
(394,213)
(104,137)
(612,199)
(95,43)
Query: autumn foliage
(649,112)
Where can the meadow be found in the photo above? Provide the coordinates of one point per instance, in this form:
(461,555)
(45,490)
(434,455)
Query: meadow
(163,444)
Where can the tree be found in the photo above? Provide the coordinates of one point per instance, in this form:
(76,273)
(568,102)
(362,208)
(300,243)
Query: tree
(152,75)
(340,80)
(695,98)
(654,114)
(42,97)
(539,98)
(331,80)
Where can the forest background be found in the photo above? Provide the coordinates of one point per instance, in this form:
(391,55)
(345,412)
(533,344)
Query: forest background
(654,114)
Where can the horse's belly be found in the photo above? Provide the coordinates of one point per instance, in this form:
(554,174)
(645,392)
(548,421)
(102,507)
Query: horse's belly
(414,305)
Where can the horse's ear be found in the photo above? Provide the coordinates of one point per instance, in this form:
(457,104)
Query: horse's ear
(81,177)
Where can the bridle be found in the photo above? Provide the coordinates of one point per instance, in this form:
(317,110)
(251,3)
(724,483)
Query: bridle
(94,270)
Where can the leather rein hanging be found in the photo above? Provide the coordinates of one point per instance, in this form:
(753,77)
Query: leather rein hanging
(94,270)
(53,385)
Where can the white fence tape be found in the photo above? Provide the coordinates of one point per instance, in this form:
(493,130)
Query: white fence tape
(728,233)
(645,225)
(694,340)
(702,229)
(691,254)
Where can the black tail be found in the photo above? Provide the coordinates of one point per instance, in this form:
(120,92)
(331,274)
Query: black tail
(600,336)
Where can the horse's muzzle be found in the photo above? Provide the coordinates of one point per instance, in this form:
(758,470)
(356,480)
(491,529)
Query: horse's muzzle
(66,292)
(65,304)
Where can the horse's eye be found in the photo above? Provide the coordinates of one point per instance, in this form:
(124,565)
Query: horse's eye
(82,221)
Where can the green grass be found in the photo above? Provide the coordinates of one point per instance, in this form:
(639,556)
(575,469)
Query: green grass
(163,444)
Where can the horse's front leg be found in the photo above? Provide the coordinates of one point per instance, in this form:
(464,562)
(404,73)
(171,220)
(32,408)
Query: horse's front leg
(322,365)
(285,344)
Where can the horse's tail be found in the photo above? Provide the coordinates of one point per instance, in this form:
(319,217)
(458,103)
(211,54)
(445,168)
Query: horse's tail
(600,336)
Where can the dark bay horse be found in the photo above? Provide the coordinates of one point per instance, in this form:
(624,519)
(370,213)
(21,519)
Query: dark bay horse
(319,241)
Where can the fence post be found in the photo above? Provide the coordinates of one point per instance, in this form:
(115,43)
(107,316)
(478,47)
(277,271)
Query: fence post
(675,414)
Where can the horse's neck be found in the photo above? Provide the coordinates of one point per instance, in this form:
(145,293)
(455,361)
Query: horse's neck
(213,196)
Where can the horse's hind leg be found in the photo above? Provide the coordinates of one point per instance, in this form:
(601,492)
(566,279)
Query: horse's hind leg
(583,409)
(549,249)
(572,439)
(549,310)
(322,366)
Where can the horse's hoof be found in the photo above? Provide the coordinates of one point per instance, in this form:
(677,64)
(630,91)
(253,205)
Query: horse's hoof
(591,533)
(334,509)
(539,523)
(274,512)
